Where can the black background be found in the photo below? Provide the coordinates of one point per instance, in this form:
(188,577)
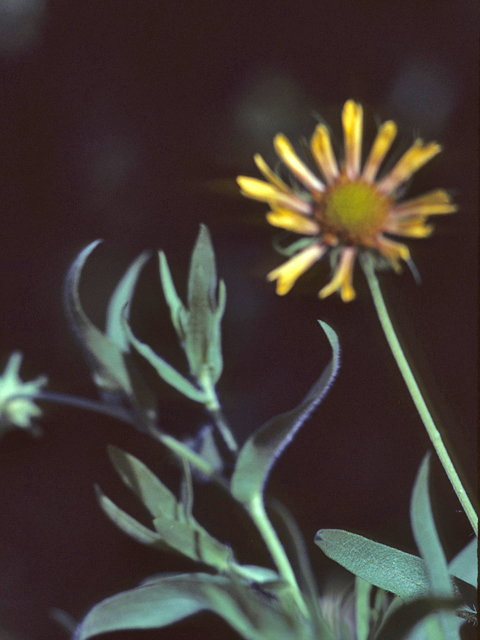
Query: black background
(129,122)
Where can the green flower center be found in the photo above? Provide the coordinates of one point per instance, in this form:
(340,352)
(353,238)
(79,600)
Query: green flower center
(353,211)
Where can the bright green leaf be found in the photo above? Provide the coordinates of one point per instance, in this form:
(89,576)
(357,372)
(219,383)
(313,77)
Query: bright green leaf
(263,448)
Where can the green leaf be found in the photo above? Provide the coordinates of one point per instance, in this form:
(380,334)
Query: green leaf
(203,337)
(176,528)
(163,600)
(127,524)
(178,312)
(426,536)
(430,548)
(154,495)
(380,565)
(464,565)
(165,370)
(120,302)
(263,448)
(362,608)
(103,355)
(404,619)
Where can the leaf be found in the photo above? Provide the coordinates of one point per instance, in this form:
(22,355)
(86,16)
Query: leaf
(103,355)
(430,548)
(263,448)
(362,608)
(203,337)
(156,497)
(176,528)
(120,301)
(178,312)
(165,370)
(167,599)
(426,536)
(380,565)
(405,618)
(127,524)
(464,565)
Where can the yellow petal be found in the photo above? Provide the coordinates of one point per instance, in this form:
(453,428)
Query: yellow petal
(393,251)
(352,118)
(292,221)
(342,277)
(269,174)
(287,154)
(411,161)
(414,227)
(380,147)
(321,146)
(430,204)
(260,190)
(288,273)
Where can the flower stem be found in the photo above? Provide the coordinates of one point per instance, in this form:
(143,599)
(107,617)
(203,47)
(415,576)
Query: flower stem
(416,394)
(270,537)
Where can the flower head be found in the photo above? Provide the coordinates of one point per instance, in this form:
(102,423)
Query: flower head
(346,206)
(17,406)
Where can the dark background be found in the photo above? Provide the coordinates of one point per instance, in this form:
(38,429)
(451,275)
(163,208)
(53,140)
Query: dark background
(129,122)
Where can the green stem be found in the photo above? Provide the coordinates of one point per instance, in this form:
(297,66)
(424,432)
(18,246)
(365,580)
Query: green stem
(257,511)
(416,394)
(213,406)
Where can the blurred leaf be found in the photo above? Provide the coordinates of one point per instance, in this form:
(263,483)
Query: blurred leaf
(165,370)
(127,524)
(167,599)
(263,448)
(178,312)
(404,618)
(385,567)
(176,527)
(430,547)
(103,355)
(362,608)
(120,301)
(464,565)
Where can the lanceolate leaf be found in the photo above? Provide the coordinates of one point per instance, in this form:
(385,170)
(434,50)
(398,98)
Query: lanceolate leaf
(163,600)
(103,355)
(429,545)
(385,567)
(175,527)
(165,370)
(464,565)
(426,536)
(262,449)
(120,301)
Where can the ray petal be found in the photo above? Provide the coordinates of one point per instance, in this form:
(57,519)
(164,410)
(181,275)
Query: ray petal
(288,273)
(352,118)
(381,145)
(287,154)
(321,146)
(411,161)
(342,277)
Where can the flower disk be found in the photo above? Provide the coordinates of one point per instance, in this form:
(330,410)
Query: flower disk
(347,207)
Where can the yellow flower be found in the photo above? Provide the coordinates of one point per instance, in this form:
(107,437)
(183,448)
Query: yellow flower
(349,207)
(17,407)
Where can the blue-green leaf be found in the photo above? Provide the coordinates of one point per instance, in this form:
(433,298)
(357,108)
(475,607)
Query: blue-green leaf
(165,370)
(263,448)
(464,565)
(430,547)
(120,302)
(163,600)
(403,620)
(103,355)
(380,565)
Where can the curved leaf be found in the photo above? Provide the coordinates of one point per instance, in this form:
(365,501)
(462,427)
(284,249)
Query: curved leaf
(120,301)
(464,565)
(103,355)
(167,599)
(263,448)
